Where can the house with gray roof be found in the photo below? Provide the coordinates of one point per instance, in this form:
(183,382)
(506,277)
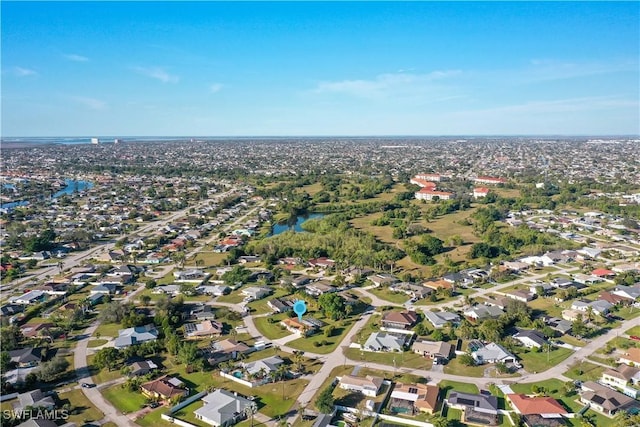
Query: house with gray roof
(266,365)
(135,335)
(492,353)
(481,312)
(34,398)
(223,408)
(381,341)
(629,292)
(600,307)
(530,338)
(439,319)
(484,403)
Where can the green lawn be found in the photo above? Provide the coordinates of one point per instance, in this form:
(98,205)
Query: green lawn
(261,307)
(633,331)
(456,368)
(388,295)
(103,375)
(152,419)
(584,371)
(234,297)
(82,410)
(108,330)
(308,343)
(96,343)
(539,362)
(125,401)
(448,386)
(403,360)
(271,331)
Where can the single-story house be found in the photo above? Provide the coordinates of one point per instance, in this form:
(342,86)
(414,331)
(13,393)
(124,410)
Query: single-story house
(164,388)
(530,338)
(606,400)
(439,319)
(256,292)
(380,341)
(481,312)
(206,328)
(399,320)
(369,386)
(433,349)
(631,357)
(383,279)
(266,365)
(135,335)
(142,368)
(280,305)
(31,297)
(320,287)
(27,357)
(221,351)
(482,403)
(545,406)
(410,399)
(493,353)
(35,399)
(599,307)
(223,408)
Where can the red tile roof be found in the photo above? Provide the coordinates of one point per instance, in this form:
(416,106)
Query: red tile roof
(602,272)
(527,405)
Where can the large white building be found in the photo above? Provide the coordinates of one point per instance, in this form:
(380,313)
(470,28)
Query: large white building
(427,194)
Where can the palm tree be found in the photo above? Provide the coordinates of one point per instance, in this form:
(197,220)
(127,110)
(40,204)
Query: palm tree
(348,309)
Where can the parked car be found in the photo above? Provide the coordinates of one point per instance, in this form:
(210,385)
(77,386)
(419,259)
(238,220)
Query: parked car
(635,337)
(87,385)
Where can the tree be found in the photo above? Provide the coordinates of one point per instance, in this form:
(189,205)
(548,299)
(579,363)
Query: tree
(466,360)
(188,353)
(4,361)
(145,299)
(150,284)
(10,337)
(328,331)
(52,369)
(332,305)
(440,421)
(325,401)
(108,357)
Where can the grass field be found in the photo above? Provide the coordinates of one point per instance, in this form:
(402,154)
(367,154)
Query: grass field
(125,401)
(209,259)
(539,362)
(272,331)
(584,371)
(448,386)
(307,343)
(96,343)
(82,410)
(388,295)
(108,330)
(234,297)
(403,360)
(634,331)
(454,367)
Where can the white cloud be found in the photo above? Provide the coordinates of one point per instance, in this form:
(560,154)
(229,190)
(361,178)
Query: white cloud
(24,72)
(157,73)
(551,69)
(385,85)
(91,103)
(215,87)
(75,57)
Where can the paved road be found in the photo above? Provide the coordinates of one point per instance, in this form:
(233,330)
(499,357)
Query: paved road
(84,375)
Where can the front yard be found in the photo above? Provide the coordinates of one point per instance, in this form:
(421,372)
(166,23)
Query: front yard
(402,360)
(82,410)
(541,361)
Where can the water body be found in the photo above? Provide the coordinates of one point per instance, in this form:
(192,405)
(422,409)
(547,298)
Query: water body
(297,227)
(71,186)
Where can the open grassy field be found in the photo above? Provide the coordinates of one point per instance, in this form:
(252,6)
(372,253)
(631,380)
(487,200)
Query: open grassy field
(209,259)
(96,343)
(448,386)
(272,331)
(125,401)
(584,371)
(311,189)
(308,343)
(634,331)
(107,330)
(456,368)
(541,361)
(82,410)
(402,360)
(388,295)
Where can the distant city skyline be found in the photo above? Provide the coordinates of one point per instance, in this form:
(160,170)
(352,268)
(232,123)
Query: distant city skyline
(320,69)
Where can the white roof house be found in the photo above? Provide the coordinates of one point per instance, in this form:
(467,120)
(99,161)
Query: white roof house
(492,353)
(223,408)
(441,318)
(268,364)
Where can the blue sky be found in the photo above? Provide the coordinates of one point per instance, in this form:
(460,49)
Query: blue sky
(304,68)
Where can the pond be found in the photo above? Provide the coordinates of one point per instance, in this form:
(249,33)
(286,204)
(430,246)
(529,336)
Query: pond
(290,225)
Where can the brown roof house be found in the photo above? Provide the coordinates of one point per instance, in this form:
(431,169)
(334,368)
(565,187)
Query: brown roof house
(164,388)
(400,320)
(410,399)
